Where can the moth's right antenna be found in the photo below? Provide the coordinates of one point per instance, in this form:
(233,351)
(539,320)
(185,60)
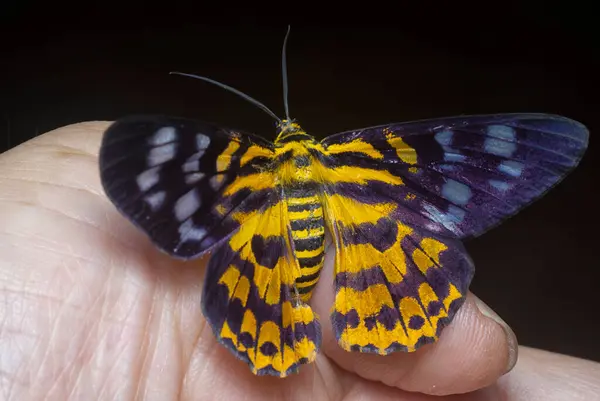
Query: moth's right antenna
(284,74)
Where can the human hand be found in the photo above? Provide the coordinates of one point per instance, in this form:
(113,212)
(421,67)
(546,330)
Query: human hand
(90,309)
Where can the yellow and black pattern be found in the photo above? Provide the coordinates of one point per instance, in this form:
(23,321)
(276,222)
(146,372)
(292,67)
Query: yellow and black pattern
(396,200)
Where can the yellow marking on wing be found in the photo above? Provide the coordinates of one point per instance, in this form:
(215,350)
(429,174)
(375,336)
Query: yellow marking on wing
(430,255)
(270,332)
(410,197)
(220,209)
(426,294)
(309,233)
(254,182)
(453,295)
(405,152)
(351,212)
(358,175)
(413,170)
(255,151)
(248,324)
(357,145)
(224,159)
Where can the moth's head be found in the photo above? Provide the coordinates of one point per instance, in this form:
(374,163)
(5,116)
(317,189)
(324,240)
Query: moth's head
(290,130)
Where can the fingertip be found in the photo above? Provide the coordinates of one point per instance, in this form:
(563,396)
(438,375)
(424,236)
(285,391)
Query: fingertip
(472,352)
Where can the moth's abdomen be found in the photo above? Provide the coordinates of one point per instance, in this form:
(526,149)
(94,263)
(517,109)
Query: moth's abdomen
(308,234)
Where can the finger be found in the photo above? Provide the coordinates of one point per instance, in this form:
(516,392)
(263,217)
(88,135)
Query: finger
(542,375)
(472,352)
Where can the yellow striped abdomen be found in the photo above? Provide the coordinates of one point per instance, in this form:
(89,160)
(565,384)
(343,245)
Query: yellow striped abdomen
(308,234)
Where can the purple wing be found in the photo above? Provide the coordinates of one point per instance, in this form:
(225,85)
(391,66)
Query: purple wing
(173,178)
(463,175)
(404,196)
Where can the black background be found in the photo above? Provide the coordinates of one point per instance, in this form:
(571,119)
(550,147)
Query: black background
(63,64)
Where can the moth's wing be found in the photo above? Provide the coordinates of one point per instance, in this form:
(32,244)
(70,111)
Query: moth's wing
(187,184)
(462,175)
(399,197)
(250,300)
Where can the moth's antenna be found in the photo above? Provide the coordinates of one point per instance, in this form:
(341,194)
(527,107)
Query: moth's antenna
(284,74)
(233,90)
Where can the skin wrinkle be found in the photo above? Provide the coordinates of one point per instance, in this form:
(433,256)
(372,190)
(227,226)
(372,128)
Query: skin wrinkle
(52,184)
(146,343)
(101,300)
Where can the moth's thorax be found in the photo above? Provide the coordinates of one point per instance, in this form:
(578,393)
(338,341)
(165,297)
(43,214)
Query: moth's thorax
(296,151)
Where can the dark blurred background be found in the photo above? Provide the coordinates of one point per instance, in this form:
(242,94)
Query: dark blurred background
(348,69)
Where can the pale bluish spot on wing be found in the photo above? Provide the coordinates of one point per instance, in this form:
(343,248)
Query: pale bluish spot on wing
(163,136)
(453,156)
(189,232)
(147,179)
(193,162)
(511,167)
(500,141)
(448,220)
(500,185)
(444,138)
(202,141)
(161,154)
(193,178)
(456,192)
(156,200)
(187,205)
(457,214)
(502,132)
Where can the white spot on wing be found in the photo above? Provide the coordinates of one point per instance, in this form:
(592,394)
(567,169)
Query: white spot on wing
(500,141)
(161,154)
(156,200)
(148,178)
(163,136)
(456,192)
(193,178)
(444,138)
(202,141)
(500,185)
(453,156)
(448,220)
(187,205)
(193,162)
(511,167)
(502,132)
(189,232)
(456,214)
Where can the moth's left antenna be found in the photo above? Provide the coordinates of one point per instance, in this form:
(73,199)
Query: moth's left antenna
(233,90)
(284,75)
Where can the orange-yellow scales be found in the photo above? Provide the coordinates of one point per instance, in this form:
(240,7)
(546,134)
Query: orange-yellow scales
(394,199)
(383,300)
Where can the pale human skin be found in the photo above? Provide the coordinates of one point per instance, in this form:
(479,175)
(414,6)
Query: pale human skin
(90,310)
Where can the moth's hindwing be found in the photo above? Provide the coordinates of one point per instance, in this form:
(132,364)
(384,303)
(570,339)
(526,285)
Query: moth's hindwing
(404,195)
(250,298)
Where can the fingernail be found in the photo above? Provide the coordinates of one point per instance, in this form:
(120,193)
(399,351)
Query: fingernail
(511,338)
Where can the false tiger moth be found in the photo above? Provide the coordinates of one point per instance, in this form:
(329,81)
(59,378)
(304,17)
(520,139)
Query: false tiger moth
(396,200)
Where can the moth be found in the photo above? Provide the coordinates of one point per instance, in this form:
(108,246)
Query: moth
(396,199)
